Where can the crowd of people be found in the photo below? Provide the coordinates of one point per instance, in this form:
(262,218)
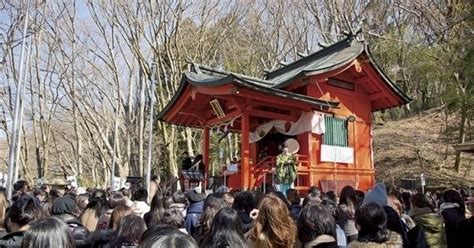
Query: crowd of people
(382,217)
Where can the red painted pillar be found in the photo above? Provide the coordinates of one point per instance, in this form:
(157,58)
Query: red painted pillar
(205,148)
(245,153)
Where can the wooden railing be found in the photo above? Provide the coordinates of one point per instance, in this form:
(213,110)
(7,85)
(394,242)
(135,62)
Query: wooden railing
(265,169)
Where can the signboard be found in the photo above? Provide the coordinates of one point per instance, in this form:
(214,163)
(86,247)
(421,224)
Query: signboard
(233,168)
(422,179)
(72,180)
(117,182)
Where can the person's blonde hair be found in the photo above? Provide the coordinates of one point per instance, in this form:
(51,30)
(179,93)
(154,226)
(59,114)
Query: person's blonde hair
(274,226)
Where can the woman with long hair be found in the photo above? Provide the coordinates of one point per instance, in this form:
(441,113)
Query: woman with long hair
(348,204)
(50,232)
(372,222)
(273,226)
(106,238)
(96,207)
(316,227)
(157,210)
(130,231)
(115,200)
(226,231)
(213,203)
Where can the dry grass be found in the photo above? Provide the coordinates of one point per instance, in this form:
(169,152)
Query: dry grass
(409,147)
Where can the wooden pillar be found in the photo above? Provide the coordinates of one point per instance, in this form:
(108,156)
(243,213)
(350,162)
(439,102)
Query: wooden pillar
(205,148)
(245,153)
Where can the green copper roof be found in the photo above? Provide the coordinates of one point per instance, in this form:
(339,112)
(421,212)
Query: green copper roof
(327,59)
(324,60)
(205,76)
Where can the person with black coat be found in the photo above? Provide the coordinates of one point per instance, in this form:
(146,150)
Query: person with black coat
(65,208)
(244,203)
(394,223)
(458,232)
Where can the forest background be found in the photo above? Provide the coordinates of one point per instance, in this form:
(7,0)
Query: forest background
(88,72)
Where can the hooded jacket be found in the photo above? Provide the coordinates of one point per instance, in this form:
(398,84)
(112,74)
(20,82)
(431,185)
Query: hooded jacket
(378,194)
(64,205)
(394,222)
(64,208)
(193,214)
(79,232)
(431,225)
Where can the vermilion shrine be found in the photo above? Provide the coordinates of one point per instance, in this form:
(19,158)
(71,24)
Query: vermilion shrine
(324,100)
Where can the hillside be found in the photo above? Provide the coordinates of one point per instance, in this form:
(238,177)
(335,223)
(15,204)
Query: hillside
(408,147)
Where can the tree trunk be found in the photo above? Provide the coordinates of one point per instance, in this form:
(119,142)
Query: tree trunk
(462,135)
(141,124)
(189,141)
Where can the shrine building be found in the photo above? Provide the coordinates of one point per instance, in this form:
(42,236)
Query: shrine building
(324,101)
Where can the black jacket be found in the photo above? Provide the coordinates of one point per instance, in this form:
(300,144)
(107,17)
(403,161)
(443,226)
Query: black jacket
(79,232)
(247,222)
(395,223)
(103,238)
(458,230)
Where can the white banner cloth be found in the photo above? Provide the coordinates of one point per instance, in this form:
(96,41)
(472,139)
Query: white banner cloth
(337,154)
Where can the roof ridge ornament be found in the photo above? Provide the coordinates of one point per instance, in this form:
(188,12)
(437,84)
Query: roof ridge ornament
(193,67)
(322,44)
(353,32)
(301,54)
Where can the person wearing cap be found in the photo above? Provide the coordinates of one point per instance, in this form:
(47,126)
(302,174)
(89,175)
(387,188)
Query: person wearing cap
(194,210)
(286,171)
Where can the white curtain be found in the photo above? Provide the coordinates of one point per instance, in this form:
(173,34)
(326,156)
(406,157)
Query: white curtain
(308,122)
